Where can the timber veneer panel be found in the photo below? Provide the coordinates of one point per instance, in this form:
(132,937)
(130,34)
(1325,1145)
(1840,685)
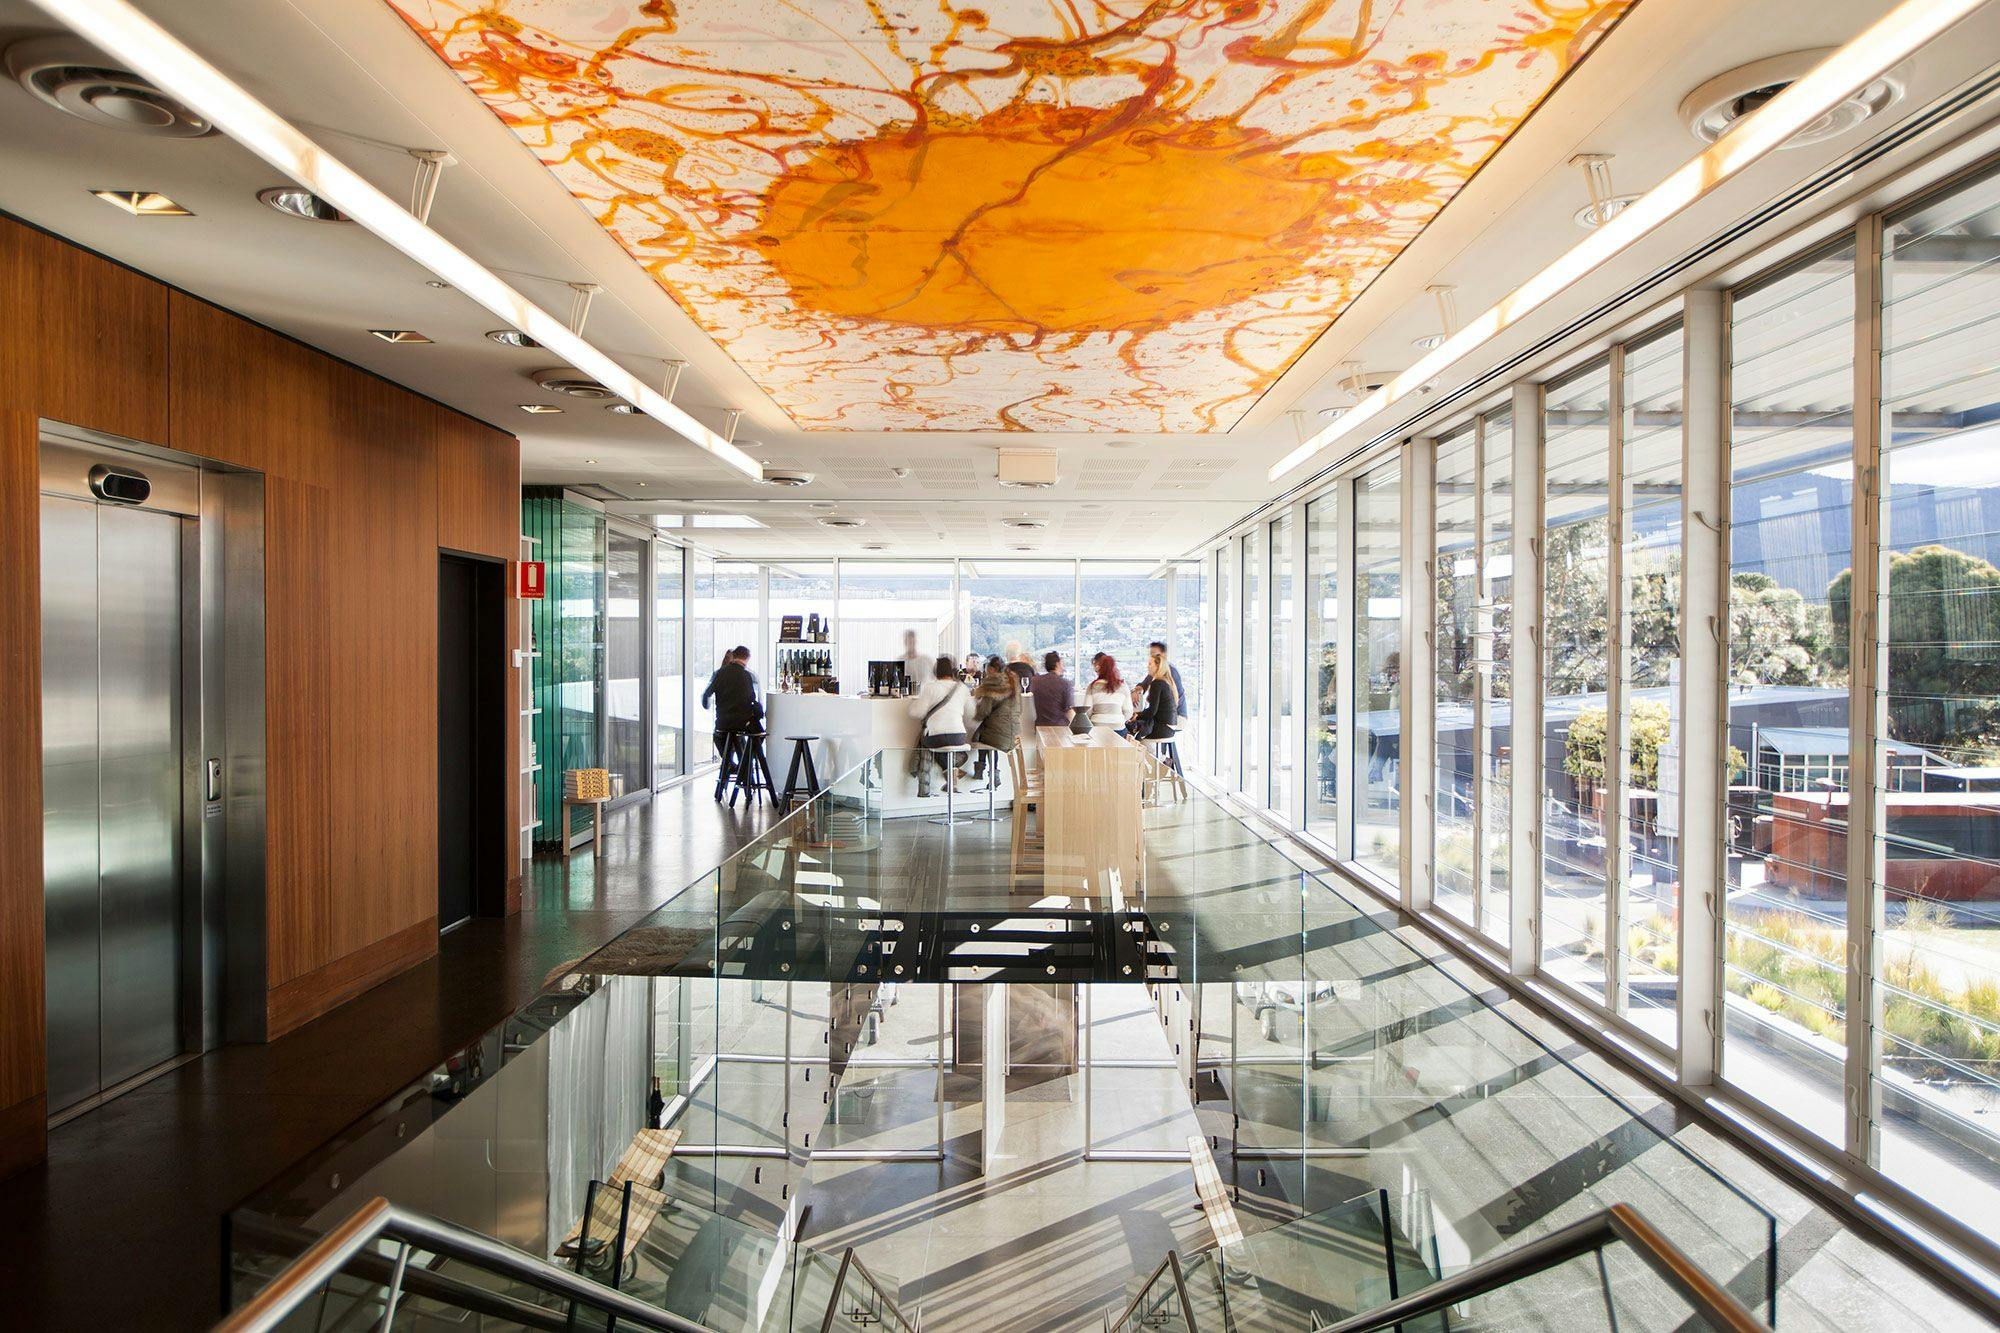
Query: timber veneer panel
(82,341)
(352,531)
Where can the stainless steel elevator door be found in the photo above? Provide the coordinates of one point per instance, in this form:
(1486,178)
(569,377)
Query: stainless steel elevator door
(112,764)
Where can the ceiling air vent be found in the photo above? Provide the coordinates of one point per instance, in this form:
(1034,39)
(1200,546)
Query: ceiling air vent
(1023,524)
(564,381)
(785,476)
(1711,109)
(73,78)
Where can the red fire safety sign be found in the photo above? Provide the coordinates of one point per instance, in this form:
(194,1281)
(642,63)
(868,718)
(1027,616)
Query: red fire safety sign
(531,580)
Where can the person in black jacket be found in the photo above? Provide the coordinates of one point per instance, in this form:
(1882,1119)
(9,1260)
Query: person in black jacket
(1159,649)
(734,692)
(1154,719)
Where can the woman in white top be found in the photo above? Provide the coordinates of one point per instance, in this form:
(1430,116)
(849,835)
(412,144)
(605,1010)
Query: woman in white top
(943,709)
(1110,705)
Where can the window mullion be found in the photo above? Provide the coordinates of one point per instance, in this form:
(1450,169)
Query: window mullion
(1704,625)
(1484,651)
(1617,774)
(1524,935)
(1347,604)
(1419,650)
(1865,708)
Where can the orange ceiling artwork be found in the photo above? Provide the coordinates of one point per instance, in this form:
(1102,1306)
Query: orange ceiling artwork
(1032,215)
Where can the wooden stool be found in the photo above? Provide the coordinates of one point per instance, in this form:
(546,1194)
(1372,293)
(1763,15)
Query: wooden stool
(751,772)
(585,786)
(801,755)
(1168,756)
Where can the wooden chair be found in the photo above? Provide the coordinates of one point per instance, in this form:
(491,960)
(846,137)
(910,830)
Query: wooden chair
(1027,802)
(644,1167)
(1210,1194)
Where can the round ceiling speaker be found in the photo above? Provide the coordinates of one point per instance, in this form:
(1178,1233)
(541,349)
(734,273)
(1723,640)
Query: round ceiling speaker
(568,382)
(1710,110)
(80,81)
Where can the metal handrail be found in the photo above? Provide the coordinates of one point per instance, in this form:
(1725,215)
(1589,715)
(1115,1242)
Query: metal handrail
(853,1261)
(1588,1236)
(378,1219)
(1171,1263)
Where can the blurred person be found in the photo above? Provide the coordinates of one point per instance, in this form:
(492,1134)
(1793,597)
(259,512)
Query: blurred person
(1053,694)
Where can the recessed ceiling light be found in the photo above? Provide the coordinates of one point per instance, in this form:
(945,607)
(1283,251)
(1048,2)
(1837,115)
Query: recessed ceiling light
(399,335)
(1429,342)
(839,521)
(822,504)
(437,284)
(512,338)
(143,203)
(622,409)
(540,409)
(558,379)
(873,546)
(1596,215)
(298,202)
(785,476)
(1024,524)
(590,460)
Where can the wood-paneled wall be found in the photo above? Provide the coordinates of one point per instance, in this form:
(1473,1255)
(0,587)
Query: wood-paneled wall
(364,484)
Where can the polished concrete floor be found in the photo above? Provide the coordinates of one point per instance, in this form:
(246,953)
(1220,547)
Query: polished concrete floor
(121,1226)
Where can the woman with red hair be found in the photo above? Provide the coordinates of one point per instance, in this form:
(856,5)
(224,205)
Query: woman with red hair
(1110,705)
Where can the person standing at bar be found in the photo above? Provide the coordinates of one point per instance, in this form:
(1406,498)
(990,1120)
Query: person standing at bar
(1017,662)
(1054,695)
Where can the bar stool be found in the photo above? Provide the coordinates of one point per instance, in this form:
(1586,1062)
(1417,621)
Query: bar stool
(951,774)
(801,755)
(750,773)
(728,745)
(1168,756)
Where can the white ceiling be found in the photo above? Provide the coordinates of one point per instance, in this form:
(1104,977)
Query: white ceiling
(350,73)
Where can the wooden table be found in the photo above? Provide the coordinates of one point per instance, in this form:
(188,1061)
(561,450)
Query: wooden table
(1091,811)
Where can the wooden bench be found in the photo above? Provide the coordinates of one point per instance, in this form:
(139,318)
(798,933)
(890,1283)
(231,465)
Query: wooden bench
(1211,1196)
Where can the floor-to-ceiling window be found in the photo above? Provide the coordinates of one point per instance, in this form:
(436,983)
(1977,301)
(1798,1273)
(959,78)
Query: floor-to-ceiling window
(703,657)
(1577,640)
(1650,485)
(1790,537)
(1020,606)
(1322,592)
(1284,778)
(669,675)
(1457,849)
(1191,610)
(1121,608)
(802,589)
(1254,681)
(882,602)
(1228,662)
(1936,784)
(626,731)
(1378,631)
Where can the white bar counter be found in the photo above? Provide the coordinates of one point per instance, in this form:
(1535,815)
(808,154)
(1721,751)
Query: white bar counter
(851,727)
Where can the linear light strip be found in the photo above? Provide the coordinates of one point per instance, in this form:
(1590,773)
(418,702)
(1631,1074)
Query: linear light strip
(1877,49)
(148,49)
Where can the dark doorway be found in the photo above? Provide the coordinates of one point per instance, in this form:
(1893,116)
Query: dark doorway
(472,729)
